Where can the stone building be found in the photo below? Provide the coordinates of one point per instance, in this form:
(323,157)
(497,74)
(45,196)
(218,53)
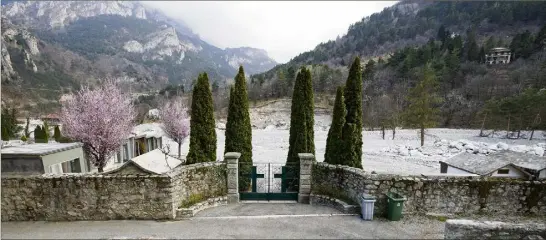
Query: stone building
(498,55)
(40,158)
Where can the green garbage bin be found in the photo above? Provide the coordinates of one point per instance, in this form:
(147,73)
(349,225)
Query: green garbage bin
(395,205)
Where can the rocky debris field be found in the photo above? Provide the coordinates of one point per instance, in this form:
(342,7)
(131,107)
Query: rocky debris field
(449,148)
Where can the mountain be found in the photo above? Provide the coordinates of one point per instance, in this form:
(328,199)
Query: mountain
(83,41)
(453,37)
(412,23)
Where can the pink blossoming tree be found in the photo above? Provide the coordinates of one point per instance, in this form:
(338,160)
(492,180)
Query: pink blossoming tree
(101,118)
(176,124)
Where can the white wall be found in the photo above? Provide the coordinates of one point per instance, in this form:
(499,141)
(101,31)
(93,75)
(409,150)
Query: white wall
(513,173)
(65,156)
(455,171)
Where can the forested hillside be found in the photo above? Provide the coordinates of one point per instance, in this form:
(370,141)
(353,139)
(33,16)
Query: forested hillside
(454,38)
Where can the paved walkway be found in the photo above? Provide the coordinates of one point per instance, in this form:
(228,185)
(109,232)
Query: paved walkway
(248,221)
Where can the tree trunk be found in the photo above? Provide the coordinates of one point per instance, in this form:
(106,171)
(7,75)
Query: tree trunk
(101,169)
(393,132)
(483,125)
(383,131)
(179,150)
(536,121)
(508,127)
(422,135)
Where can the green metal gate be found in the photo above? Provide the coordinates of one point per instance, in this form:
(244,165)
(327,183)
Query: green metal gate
(268,181)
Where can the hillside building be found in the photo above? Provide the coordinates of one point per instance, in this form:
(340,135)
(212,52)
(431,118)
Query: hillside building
(498,55)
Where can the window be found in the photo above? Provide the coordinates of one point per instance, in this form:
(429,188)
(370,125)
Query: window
(118,157)
(56,168)
(125,152)
(503,171)
(443,168)
(75,166)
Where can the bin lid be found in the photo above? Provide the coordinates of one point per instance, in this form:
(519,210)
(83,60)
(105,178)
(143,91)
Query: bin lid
(395,196)
(367,196)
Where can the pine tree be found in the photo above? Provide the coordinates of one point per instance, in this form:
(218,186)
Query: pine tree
(301,138)
(57,134)
(202,126)
(27,132)
(471,47)
(352,130)
(45,132)
(38,134)
(334,145)
(9,123)
(422,111)
(482,55)
(238,128)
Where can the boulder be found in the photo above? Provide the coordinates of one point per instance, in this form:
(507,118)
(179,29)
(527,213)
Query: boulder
(502,146)
(415,153)
(538,151)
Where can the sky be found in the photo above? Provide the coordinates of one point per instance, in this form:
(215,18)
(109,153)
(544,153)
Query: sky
(283,28)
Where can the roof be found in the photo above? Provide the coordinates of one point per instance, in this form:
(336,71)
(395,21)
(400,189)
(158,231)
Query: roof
(51,116)
(152,162)
(482,165)
(39,149)
(499,49)
(148,130)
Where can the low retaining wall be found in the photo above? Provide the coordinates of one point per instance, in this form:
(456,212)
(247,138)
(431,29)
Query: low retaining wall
(468,229)
(86,197)
(338,204)
(190,211)
(110,196)
(459,195)
(197,182)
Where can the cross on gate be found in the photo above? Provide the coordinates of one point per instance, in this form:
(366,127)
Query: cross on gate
(282,176)
(254,176)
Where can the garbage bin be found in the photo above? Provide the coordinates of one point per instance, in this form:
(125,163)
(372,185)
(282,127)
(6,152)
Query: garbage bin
(367,205)
(395,206)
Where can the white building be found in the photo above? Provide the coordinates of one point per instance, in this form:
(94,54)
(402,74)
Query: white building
(498,56)
(40,158)
(508,164)
(144,138)
(153,162)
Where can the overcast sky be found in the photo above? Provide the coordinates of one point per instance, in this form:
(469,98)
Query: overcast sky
(284,29)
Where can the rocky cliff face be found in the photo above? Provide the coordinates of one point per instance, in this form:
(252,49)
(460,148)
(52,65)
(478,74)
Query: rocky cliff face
(87,40)
(58,14)
(253,60)
(22,40)
(172,39)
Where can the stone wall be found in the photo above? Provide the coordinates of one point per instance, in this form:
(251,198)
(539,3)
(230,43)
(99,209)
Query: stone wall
(468,229)
(86,197)
(197,182)
(126,194)
(450,195)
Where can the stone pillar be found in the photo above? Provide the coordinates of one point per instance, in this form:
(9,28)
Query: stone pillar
(232,160)
(306,165)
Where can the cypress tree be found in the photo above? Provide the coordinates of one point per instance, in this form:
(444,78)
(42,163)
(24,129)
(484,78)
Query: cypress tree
(301,138)
(352,130)
(45,132)
(57,134)
(38,134)
(333,142)
(202,128)
(238,128)
(310,112)
(27,133)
